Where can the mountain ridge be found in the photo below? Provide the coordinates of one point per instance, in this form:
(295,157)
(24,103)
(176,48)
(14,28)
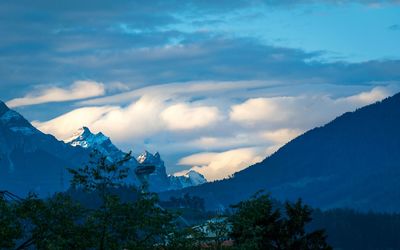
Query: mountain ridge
(158,181)
(352,161)
(31,161)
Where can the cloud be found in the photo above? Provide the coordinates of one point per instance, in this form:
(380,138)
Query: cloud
(143,117)
(181,116)
(184,80)
(295,111)
(198,57)
(226,142)
(264,121)
(216,166)
(282,136)
(364,98)
(121,123)
(260,109)
(183,90)
(76,40)
(65,125)
(117,87)
(137,120)
(78,90)
(181,119)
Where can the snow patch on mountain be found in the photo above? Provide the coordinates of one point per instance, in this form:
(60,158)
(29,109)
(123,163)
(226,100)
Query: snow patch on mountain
(85,138)
(191,178)
(158,180)
(148,158)
(15,122)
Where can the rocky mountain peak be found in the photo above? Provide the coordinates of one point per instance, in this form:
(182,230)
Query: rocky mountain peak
(3,108)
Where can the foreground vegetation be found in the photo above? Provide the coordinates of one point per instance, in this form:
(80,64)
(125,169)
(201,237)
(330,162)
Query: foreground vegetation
(62,222)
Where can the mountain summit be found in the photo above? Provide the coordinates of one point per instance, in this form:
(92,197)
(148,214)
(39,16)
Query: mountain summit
(3,108)
(84,138)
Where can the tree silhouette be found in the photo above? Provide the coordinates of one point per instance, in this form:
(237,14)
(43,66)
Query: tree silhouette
(257,224)
(139,224)
(10,226)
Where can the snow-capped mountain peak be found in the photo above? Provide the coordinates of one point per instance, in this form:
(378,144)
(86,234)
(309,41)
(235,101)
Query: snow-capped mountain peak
(149,158)
(159,180)
(195,177)
(8,115)
(85,138)
(191,178)
(14,121)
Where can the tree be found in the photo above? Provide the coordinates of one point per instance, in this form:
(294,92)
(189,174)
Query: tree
(54,223)
(139,224)
(218,231)
(257,224)
(10,226)
(100,175)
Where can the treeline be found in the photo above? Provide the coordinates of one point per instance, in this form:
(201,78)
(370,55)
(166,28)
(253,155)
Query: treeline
(100,212)
(139,222)
(348,229)
(345,228)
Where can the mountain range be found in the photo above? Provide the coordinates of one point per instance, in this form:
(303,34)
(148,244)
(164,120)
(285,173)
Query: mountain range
(351,162)
(158,181)
(31,161)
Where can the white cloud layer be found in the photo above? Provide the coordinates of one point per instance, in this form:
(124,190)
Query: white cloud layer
(142,118)
(181,116)
(138,119)
(78,90)
(260,110)
(300,112)
(216,166)
(209,117)
(65,125)
(281,136)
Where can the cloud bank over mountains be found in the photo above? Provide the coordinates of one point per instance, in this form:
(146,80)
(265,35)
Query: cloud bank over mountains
(214,85)
(78,90)
(222,132)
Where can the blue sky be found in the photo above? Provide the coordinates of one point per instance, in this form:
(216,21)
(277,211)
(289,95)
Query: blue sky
(214,85)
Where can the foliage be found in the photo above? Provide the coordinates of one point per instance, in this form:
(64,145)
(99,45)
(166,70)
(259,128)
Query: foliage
(10,226)
(349,229)
(256,224)
(100,175)
(141,224)
(218,230)
(187,201)
(60,222)
(54,223)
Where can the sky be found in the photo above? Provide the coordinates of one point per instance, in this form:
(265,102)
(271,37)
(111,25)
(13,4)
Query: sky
(214,86)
